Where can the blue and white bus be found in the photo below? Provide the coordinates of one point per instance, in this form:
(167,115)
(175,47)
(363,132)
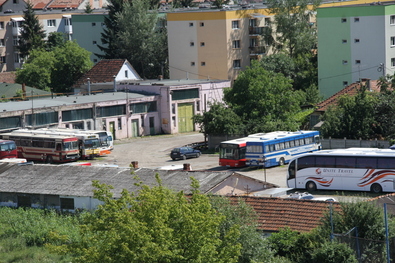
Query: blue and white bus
(278,148)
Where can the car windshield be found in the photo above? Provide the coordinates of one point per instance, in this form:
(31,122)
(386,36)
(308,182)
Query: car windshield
(176,150)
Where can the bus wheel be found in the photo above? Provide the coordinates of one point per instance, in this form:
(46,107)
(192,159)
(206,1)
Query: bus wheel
(281,162)
(311,186)
(376,188)
(49,159)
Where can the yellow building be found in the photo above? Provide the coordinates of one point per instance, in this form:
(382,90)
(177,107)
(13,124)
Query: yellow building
(214,44)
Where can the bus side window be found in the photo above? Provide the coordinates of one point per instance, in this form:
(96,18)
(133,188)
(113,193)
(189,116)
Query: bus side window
(291,170)
(58,147)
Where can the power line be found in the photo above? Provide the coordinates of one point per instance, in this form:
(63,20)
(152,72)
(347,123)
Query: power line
(348,73)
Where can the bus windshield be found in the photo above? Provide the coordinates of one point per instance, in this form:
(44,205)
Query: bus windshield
(92,143)
(8,146)
(70,145)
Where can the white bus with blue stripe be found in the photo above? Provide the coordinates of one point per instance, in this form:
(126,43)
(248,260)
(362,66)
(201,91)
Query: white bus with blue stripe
(278,148)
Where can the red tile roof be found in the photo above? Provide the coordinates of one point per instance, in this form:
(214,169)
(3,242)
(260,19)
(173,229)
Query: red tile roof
(7,77)
(277,213)
(2,2)
(103,72)
(40,4)
(65,3)
(351,89)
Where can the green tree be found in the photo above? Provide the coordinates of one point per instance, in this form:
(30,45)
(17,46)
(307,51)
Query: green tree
(331,252)
(88,8)
(367,219)
(142,42)
(71,62)
(37,70)
(219,120)
(109,39)
(55,70)
(352,117)
(264,100)
(292,27)
(254,246)
(55,39)
(32,33)
(220,3)
(157,225)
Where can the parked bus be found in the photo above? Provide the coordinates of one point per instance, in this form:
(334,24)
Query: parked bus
(278,148)
(88,143)
(8,149)
(353,169)
(106,143)
(232,153)
(44,147)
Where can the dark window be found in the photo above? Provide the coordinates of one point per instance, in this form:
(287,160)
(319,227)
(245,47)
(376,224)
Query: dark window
(185,94)
(368,163)
(80,114)
(143,107)
(306,162)
(325,161)
(110,111)
(385,163)
(345,162)
(67,203)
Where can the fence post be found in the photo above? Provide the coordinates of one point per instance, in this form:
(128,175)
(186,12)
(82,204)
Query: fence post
(345,142)
(360,142)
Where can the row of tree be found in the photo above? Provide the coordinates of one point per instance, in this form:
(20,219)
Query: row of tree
(156,224)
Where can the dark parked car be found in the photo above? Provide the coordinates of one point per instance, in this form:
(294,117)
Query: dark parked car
(184,153)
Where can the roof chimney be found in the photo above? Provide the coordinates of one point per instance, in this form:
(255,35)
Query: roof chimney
(187,167)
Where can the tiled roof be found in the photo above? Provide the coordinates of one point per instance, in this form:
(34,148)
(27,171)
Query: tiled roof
(104,71)
(7,77)
(40,4)
(277,213)
(351,89)
(2,2)
(65,3)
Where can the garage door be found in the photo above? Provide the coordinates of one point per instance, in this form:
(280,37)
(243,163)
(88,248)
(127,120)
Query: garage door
(185,114)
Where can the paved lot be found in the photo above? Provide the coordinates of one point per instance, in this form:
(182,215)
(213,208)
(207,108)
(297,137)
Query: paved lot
(153,152)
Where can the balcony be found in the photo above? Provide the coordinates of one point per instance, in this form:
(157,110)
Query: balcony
(254,30)
(257,50)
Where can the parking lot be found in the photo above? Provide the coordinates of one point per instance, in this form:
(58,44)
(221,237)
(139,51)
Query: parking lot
(153,152)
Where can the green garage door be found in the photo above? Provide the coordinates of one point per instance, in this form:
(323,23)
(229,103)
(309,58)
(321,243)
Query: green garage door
(185,114)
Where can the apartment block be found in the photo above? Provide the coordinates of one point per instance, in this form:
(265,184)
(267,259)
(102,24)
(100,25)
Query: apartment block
(215,44)
(354,42)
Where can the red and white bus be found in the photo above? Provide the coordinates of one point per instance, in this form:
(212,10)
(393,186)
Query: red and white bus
(43,147)
(8,149)
(232,153)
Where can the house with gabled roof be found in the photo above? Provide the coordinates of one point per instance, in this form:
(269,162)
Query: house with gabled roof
(105,74)
(351,90)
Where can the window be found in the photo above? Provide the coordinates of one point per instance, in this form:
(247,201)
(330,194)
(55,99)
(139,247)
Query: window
(345,83)
(392,20)
(356,19)
(203,64)
(344,41)
(15,1)
(126,74)
(51,22)
(202,44)
(345,62)
(192,64)
(94,43)
(93,24)
(356,40)
(17,57)
(392,41)
(119,124)
(2,59)
(202,24)
(392,62)
(67,203)
(2,42)
(235,24)
(357,61)
(190,24)
(1,25)
(192,44)
(344,20)
(95,60)
(236,63)
(236,44)
(15,41)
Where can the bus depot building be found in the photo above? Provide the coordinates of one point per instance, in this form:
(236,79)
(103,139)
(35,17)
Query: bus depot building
(132,109)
